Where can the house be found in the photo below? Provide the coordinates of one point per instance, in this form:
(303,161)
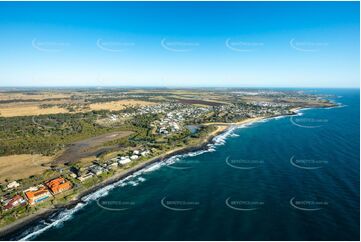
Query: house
(73,175)
(124,160)
(85,176)
(136,152)
(163,130)
(58,185)
(134,157)
(113,164)
(96,169)
(13,184)
(74,172)
(145,153)
(37,194)
(15,201)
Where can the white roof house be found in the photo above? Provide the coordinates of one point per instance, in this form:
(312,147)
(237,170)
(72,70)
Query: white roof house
(145,153)
(136,152)
(13,184)
(124,160)
(134,157)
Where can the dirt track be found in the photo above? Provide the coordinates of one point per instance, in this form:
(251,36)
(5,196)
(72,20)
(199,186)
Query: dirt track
(88,147)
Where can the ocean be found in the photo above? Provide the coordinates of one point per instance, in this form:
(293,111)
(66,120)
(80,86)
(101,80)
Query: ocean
(289,178)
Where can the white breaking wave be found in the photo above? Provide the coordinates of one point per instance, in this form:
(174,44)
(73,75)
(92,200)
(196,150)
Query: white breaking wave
(54,222)
(221,139)
(339,105)
(152,167)
(67,214)
(175,158)
(134,180)
(141,179)
(133,183)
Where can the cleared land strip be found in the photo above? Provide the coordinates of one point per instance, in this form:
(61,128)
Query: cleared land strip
(89,147)
(32,109)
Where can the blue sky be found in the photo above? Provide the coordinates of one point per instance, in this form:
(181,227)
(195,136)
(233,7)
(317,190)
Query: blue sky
(232,44)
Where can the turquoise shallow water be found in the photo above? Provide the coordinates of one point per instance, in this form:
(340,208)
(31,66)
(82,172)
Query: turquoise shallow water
(283,179)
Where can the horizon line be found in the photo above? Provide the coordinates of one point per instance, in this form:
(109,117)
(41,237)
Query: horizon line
(186,87)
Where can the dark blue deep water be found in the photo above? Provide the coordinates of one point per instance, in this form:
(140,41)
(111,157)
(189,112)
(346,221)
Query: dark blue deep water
(283,179)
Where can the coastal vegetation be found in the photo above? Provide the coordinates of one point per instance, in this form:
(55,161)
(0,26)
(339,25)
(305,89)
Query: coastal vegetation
(105,134)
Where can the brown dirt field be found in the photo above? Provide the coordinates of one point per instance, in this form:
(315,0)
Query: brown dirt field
(32,109)
(118,105)
(15,167)
(40,96)
(27,109)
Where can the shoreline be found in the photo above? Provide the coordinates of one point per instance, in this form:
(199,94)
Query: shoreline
(16,226)
(46,212)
